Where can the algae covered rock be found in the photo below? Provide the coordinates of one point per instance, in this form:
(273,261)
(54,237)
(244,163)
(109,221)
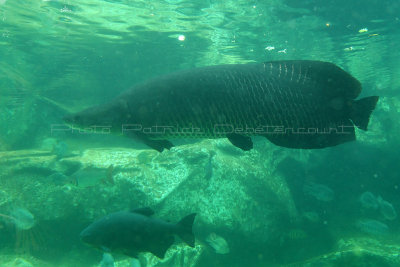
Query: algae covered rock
(357,252)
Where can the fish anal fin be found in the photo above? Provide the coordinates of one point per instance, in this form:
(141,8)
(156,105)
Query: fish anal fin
(243,142)
(146,211)
(159,145)
(156,144)
(185,229)
(320,137)
(161,248)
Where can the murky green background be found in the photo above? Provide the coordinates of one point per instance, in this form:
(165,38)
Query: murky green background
(62,56)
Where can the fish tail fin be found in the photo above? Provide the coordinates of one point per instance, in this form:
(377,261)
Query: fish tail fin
(361,111)
(185,229)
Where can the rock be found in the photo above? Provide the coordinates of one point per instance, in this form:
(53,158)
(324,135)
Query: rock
(235,193)
(357,252)
(27,261)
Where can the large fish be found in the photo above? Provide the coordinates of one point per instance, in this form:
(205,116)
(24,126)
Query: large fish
(132,232)
(295,104)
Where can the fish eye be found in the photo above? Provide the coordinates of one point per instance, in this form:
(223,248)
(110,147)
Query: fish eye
(76,118)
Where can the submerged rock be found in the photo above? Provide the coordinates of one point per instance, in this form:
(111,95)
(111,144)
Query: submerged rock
(17,262)
(135,263)
(107,260)
(357,252)
(22,263)
(219,186)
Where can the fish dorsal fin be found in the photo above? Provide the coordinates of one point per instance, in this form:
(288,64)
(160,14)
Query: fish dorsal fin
(144,211)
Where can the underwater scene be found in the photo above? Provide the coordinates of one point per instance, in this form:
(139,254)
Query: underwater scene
(214,133)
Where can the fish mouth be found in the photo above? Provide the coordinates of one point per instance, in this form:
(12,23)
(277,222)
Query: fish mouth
(69,119)
(85,236)
(72,121)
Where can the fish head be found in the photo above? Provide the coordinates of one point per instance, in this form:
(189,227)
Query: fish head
(89,117)
(100,118)
(92,236)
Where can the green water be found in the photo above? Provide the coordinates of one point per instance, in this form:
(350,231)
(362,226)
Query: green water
(273,206)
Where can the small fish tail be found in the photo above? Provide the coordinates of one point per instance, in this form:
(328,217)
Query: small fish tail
(361,111)
(185,231)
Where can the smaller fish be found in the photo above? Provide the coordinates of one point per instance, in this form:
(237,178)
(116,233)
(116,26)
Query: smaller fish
(132,232)
(387,209)
(296,234)
(218,243)
(92,176)
(311,216)
(369,201)
(319,191)
(22,218)
(373,227)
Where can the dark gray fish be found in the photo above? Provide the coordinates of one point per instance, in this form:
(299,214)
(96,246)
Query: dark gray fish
(295,104)
(131,232)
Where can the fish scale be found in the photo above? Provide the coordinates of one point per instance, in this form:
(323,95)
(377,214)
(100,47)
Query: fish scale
(242,117)
(294,95)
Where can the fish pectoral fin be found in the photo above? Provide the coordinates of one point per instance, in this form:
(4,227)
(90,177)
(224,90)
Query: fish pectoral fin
(144,211)
(243,142)
(315,137)
(158,145)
